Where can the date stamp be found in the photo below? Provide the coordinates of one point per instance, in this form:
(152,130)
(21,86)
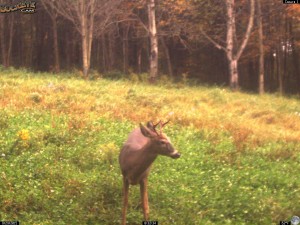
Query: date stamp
(150,222)
(9,223)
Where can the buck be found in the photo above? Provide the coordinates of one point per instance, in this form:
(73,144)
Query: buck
(140,150)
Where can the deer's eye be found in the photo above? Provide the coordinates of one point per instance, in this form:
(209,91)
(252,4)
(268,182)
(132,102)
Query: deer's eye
(162,142)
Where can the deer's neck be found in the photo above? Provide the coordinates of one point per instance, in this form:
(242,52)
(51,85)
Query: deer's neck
(146,158)
(147,155)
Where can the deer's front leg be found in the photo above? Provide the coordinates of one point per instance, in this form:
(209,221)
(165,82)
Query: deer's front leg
(125,199)
(144,197)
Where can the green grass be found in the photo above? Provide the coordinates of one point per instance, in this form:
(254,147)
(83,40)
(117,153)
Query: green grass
(239,165)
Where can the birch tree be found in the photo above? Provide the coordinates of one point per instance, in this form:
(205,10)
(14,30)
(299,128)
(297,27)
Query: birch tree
(163,18)
(231,45)
(83,13)
(153,40)
(232,48)
(261,49)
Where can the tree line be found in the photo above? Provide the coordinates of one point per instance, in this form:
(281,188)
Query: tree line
(247,43)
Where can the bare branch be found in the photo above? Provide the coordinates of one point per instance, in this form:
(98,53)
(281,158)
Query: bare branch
(183,42)
(213,42)
(248,32)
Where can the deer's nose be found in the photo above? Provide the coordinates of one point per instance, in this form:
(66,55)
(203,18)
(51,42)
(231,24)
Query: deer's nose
(176,155)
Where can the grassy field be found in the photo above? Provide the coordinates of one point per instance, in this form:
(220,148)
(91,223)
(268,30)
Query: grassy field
(60,138)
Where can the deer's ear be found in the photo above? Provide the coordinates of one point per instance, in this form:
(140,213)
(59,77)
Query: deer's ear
(150,125)
(146,131)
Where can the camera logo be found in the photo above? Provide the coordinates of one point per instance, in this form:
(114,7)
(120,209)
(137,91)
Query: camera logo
(294,221)
(24,7)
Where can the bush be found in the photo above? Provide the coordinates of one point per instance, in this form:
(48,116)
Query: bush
(114,75)
(133,77)
(35,97)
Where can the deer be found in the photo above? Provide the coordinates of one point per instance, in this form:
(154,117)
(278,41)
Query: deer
(138,153)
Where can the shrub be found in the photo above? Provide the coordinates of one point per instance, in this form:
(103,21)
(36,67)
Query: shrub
(114,75)
(35,97)
(134,78)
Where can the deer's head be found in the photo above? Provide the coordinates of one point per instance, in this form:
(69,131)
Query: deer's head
(160,143)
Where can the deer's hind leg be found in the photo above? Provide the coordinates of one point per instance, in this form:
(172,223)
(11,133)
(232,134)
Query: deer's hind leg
(125,199)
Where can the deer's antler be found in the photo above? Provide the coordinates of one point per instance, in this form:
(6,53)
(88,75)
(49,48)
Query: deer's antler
(154,127)
(162,125)
(165,123)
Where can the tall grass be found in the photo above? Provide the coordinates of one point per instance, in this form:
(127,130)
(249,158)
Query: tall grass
(60,137)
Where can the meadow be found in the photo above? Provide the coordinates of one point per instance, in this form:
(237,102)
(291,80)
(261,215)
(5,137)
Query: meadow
(60,137)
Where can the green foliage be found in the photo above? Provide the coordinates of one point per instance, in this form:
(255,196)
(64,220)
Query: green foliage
(165,81)
(3,120)
(59,158)
(144,77)
(184,78)
(94,75)
(114,75)
(133,77)
(131,93)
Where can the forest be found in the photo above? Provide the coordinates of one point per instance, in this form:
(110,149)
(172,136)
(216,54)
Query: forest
(252,45)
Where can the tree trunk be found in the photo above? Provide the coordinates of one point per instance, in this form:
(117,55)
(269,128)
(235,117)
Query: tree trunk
(69,49)
(87,26)
(6,48)
(261,49)
(125,48)
(111,50)
(90,31)
(139,59)
(85,64)
(3,45)
(167,53)
(153,41)
(279,69)
(234,76)
(29,54)
(295,58)
(55,44)
(98,53)
(87,37)
(11,32)
(103,52)
(49,7)
(231,45)
(285,75)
